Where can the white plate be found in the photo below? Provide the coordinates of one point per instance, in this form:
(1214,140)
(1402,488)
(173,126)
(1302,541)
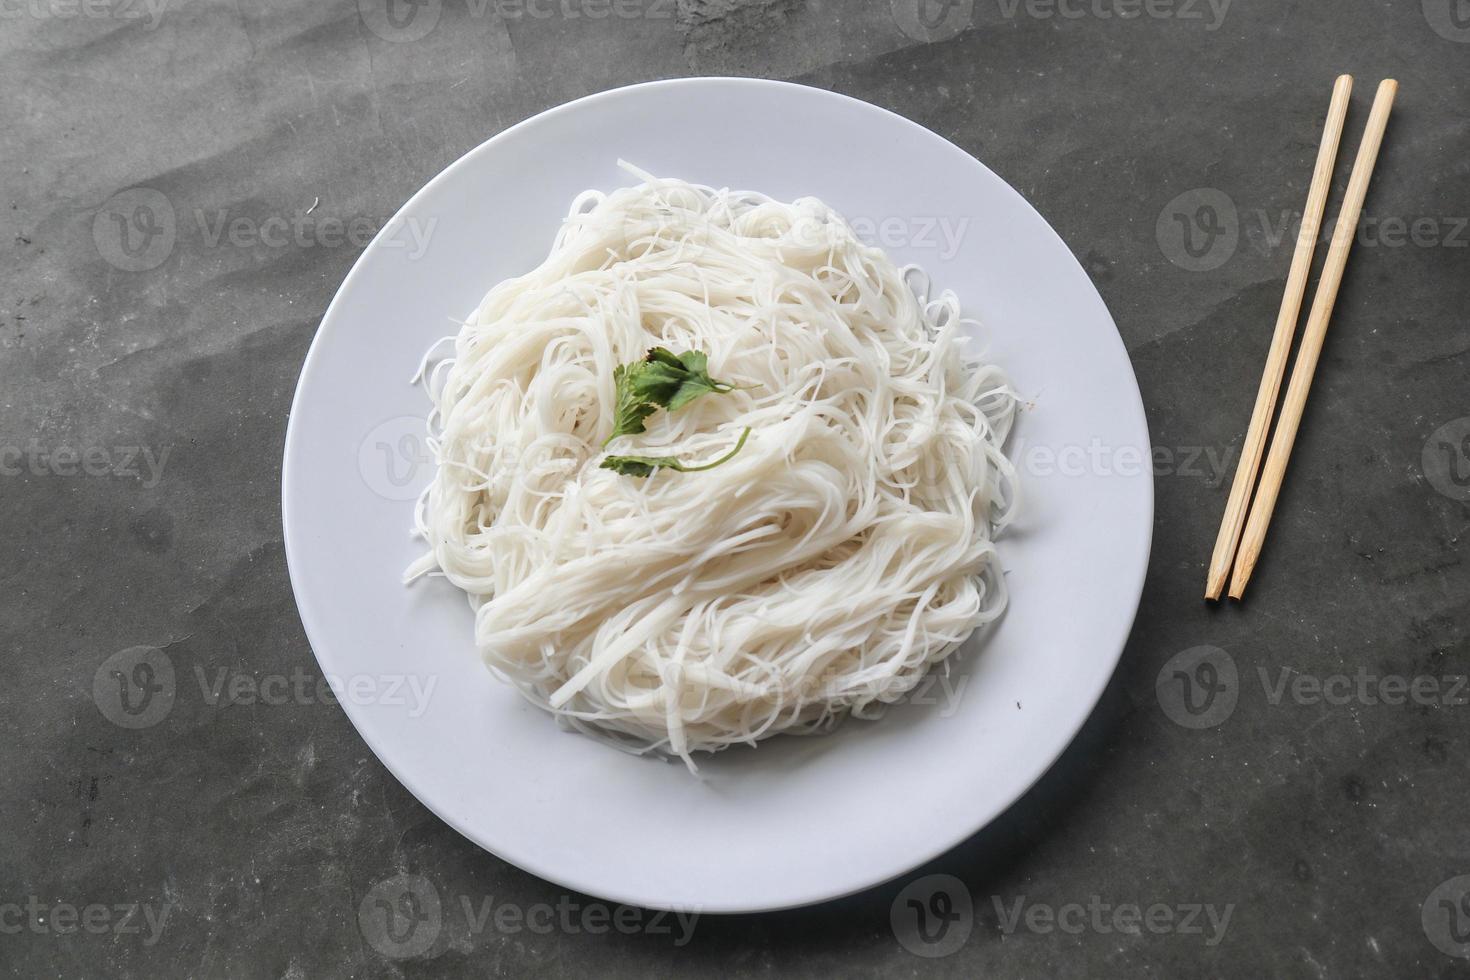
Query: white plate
(797,820)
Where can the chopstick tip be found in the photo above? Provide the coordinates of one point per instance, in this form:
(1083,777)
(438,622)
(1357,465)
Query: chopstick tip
(1245,564)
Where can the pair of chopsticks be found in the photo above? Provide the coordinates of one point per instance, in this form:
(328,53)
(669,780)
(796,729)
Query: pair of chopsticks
(1240,539)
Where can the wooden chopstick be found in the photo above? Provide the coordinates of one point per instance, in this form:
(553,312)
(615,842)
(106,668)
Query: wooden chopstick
(1291,308)
(1311,346)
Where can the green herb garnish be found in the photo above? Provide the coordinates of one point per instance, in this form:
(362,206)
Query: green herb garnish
(664,380)
(643,466)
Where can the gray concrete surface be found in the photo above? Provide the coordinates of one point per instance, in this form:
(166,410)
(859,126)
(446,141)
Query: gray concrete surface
(147,376)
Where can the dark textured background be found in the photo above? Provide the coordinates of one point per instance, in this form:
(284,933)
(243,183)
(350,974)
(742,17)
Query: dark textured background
(262,828)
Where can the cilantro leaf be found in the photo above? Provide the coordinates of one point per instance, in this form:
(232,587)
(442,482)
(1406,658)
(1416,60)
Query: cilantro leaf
(696,381)
(662,379)
(643,466)
(662,355)
(633,407)
(639,466)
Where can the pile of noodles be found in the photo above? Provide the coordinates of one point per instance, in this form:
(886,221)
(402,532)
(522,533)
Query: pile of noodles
(845,550)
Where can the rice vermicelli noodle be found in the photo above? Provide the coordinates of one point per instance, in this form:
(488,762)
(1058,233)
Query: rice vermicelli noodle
(820,571)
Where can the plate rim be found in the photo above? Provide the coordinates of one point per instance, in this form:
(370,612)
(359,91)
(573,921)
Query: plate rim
(630,895)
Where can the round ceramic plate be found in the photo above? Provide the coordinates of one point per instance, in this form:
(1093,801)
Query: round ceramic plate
(797,819)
